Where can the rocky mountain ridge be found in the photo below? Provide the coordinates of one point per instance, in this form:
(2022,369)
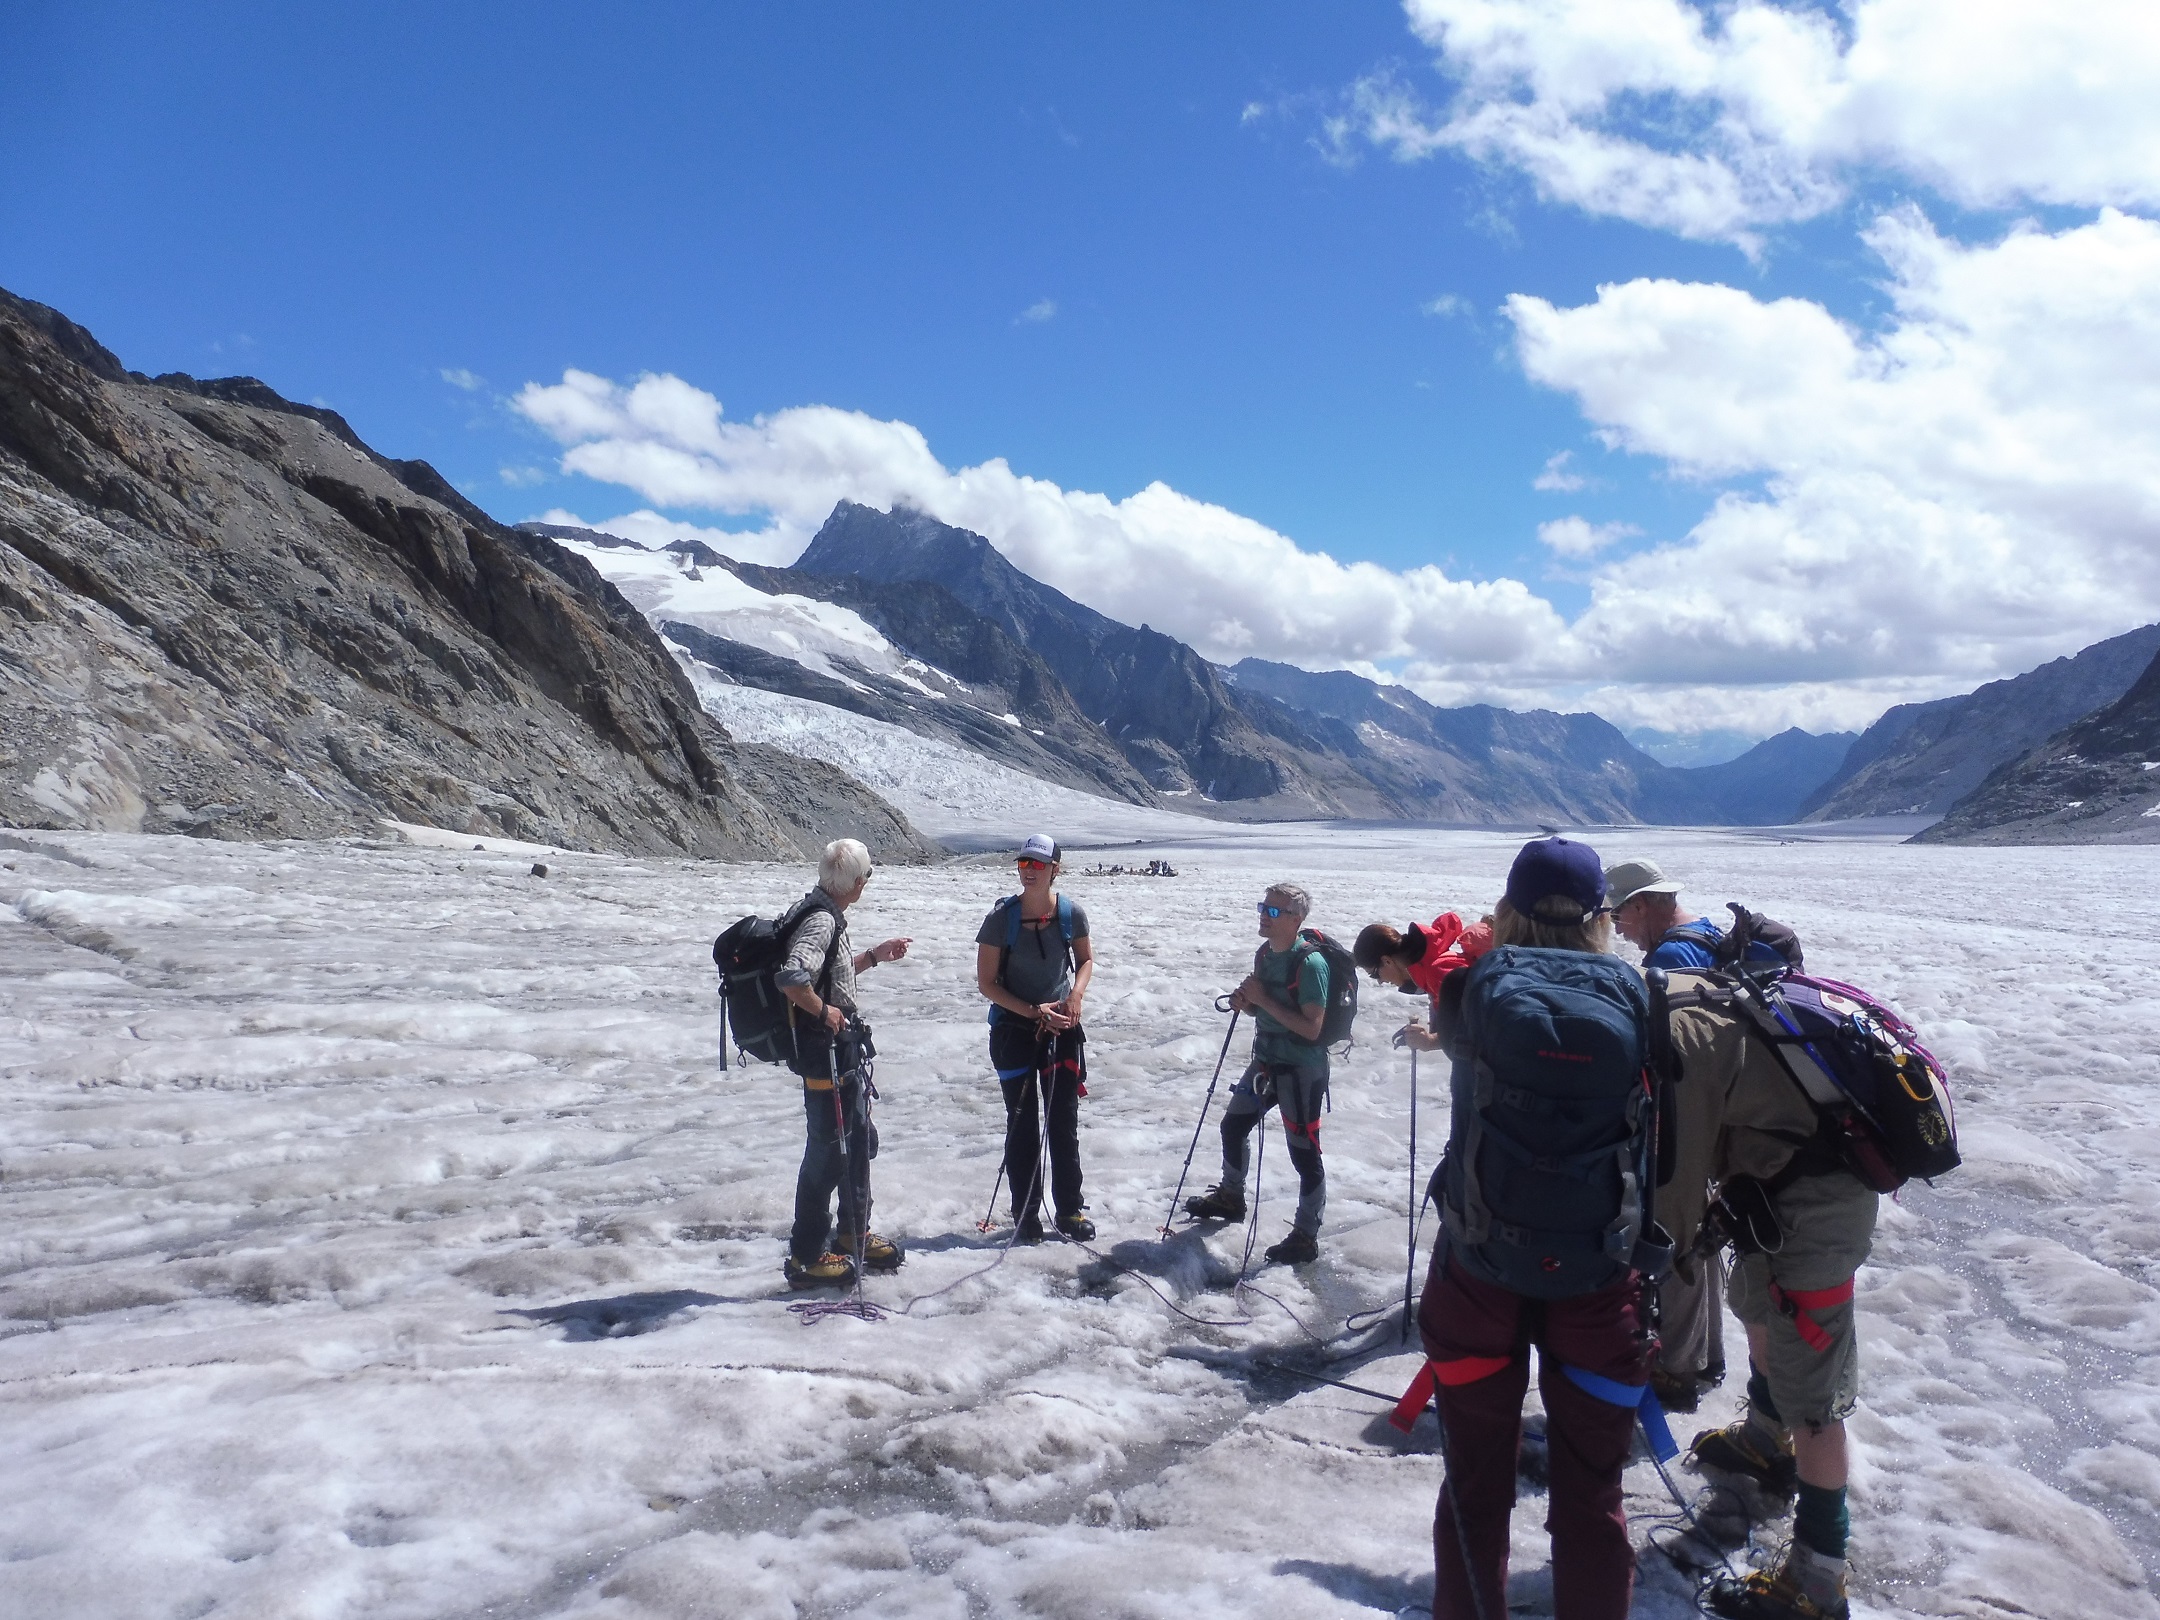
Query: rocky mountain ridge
(221,613)
(1921,758)
(1262,739)
(2095,781)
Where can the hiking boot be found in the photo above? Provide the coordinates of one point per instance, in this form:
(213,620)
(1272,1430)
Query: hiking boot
(878,1253)
(1677,1392)
(1298,1249)
(1739,1448)
(1077,1226)
(1030,1231)
(826,1271)
(1806,1585)
(1218,1204)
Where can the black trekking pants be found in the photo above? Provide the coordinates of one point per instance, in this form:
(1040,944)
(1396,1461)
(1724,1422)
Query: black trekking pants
(1031,1067)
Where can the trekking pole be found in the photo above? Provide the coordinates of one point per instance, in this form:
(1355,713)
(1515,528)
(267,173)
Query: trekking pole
(1205,1103)
(990,1210)
(1410,1222)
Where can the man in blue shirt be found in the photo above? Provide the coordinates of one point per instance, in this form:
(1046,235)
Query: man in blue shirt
(1647,913)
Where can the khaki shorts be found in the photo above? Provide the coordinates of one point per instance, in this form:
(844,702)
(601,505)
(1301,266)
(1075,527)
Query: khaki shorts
(1829,1224)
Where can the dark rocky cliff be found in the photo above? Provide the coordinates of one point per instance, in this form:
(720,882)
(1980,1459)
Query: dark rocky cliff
(2095,782)
(221,613)
(1164,706)
(1923,757)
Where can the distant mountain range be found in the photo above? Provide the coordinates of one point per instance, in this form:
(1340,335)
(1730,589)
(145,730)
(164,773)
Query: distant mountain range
(222,614)
(1007,666)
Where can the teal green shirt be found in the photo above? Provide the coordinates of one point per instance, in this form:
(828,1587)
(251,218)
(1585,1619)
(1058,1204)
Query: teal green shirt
(1300,977)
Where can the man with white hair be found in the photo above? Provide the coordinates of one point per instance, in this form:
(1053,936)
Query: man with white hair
(1287,994)
(832,1047)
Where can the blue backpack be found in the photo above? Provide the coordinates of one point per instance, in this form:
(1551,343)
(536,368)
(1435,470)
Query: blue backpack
(1011,907)
(1552,1157)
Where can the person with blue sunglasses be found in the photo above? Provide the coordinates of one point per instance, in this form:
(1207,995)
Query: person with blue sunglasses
(1287,995)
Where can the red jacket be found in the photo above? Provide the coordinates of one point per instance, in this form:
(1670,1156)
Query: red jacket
(1447,947)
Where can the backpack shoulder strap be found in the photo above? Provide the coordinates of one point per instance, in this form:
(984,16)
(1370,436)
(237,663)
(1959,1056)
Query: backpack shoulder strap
(797,915)
(1011,907)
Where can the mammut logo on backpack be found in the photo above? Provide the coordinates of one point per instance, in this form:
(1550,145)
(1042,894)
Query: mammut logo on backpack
(1568,1057)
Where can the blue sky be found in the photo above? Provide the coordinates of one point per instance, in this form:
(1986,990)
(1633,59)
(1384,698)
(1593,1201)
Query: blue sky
(1110,245)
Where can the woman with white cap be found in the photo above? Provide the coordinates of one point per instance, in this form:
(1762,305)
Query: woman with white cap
(1033,963)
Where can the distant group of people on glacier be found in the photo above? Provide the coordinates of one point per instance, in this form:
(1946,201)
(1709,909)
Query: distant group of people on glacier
(1613,1132)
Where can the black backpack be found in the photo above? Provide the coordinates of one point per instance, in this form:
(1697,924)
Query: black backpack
(1755,942)
(1342,984)
(748,956)
(1552,1162)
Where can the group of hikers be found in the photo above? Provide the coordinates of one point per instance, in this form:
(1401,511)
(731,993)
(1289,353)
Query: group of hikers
(1613,1132)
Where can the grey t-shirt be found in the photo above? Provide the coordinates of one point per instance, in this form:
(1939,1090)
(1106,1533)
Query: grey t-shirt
(1036,969)
(806,958)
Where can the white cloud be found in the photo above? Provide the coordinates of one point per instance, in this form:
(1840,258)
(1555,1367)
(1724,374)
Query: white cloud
(1969,492)
(524,477)
(1446,304)
(1556,478)
(459,377)
(1223,582)
(1043,309)
(1716,122)
(1973,490)
(1579,537)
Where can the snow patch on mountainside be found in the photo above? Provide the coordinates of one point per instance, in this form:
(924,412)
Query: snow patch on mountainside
(818,635)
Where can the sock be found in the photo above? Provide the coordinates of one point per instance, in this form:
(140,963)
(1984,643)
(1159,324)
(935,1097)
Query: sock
(1762,1412)
(1822,1522)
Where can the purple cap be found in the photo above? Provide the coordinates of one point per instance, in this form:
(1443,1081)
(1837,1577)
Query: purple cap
(1550,866)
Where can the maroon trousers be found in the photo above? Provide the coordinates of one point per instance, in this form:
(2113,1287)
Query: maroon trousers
(1465,1322)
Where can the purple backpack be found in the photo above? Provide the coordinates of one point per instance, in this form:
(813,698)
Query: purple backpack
(1881,1093)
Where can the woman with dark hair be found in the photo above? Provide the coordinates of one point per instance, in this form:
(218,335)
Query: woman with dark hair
(1418,960)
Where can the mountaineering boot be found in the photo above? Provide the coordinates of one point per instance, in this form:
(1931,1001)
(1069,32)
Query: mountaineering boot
(1677,1392)
(1750,1451)
(878,1253)
(1300,1248)
(1218,1204)
(1077,1226)
(826,1271)
(1030,1232)
(1807,1585)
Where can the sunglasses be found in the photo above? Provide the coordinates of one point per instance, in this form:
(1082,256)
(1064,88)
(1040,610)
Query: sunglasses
(1029,864)
(1270,912)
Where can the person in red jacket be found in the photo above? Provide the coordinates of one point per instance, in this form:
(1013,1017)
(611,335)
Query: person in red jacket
(1419,960)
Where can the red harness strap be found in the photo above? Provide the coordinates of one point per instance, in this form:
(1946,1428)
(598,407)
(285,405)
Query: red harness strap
(1461,1370)
(1800,1304)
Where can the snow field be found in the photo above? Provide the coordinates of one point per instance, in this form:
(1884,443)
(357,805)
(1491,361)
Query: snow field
(380,1238)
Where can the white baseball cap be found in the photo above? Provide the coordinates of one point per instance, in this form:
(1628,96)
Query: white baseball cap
(1040,847)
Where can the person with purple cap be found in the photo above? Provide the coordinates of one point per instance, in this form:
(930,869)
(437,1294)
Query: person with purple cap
(1033,962)
(1545,1233)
